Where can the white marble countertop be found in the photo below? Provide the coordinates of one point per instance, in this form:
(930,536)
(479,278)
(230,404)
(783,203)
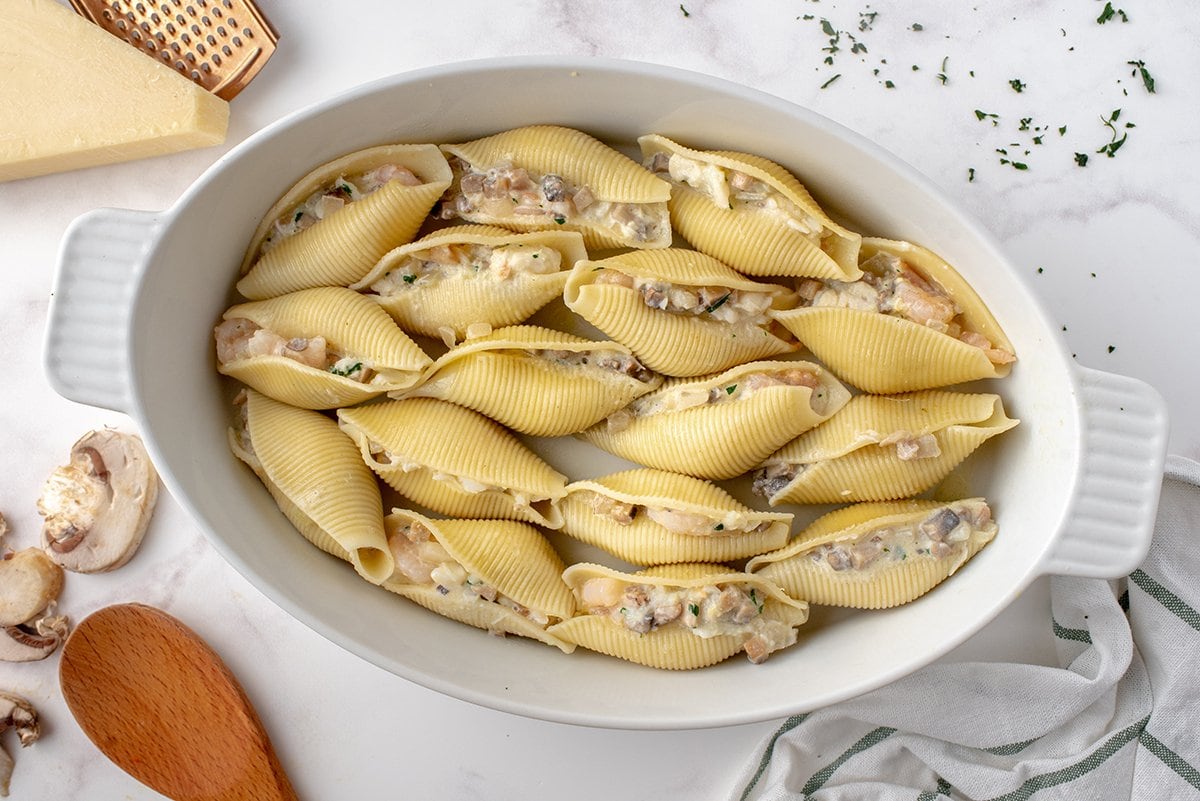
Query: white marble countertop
(1110,246)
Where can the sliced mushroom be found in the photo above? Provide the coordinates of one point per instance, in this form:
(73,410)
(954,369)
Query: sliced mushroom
(30,642)
(98,506)
(29,581)
(19,714)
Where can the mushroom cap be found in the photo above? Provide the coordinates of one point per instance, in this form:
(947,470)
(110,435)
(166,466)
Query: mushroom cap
(97,507)
(29,581)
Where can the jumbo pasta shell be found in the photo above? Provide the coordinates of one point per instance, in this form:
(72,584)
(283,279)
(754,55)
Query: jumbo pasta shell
(860,453)
(673,647)
(351,325)
(606,294)
(455,461)
(501,376)
(615,181)
(653,517)
(512,557)
(317,478)
(724,425)
(755,241)
(883,354)
(496,294)
(343,247)
(838,562)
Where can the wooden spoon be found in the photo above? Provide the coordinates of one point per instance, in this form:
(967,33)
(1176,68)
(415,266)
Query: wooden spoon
(162,705)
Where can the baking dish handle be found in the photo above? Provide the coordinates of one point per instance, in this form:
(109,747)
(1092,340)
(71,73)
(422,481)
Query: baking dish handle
(100,263)
(1111,517)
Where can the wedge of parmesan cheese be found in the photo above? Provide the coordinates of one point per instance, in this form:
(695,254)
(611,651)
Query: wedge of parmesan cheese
(74,96)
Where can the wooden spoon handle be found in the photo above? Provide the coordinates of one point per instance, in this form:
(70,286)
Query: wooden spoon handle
(163,706)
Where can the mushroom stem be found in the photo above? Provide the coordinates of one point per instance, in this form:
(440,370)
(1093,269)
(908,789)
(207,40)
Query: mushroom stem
(15,713)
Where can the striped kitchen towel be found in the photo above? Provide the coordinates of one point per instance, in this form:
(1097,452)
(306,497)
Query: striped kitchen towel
(1119,720)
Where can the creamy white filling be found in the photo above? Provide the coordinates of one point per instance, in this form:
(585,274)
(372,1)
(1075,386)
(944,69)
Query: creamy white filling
(421,559)
(944,534)
(428,267)
(239,339)
(737,190)
(506,191)
(707,611)
(674,520)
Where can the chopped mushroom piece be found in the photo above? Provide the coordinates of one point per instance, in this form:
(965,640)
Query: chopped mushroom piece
(19,714)
(32,641)
(98,506)
(29,582)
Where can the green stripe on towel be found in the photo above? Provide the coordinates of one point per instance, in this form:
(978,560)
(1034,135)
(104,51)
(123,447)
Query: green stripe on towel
(1064,633)
(1171,759)
(1079,769)
(1167,598)
(873,737)
(788,725)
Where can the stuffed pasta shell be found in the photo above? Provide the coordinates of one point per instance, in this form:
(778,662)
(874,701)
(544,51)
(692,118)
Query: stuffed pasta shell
(498,575)
(538,381)
(911,322)
(455,461)
(723,425)
(317,348)
(879,555)
(681,312)
(316,477)
(750,213)
(679,617)
(336,222)
(882,447)
(471,275)
(653,517)
(546,177)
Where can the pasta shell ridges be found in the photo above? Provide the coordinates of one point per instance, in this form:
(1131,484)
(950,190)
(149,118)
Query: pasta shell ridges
(315,466)
(665,649)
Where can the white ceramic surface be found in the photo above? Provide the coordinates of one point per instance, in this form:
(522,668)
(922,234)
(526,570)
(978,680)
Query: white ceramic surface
(1076,471)
(1105,248)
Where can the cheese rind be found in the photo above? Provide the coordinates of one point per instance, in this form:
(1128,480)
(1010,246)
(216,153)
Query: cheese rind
(76,96)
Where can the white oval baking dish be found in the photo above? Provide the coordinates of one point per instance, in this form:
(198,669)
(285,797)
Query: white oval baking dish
(1074,487)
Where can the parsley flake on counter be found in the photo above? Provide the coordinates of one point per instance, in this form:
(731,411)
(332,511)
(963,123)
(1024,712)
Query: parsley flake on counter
(831,80)
(889,85)
(1062,130)
(984,115)
(1112,147)
(1081,159)
(1040,270)
(684,10)
(916,26)
(1111,348)
(970,174)
(1147,78)
(1109,12)
(866,19)
(1017,85)
(941,76)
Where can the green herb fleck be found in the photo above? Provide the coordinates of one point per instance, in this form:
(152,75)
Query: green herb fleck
(984,115)
(970,174)
(354,368)
(866,19)
(1147,78)
(1017,85)
(1062,130)
(299,214)
(408,278)
(694,609)
(827,28)
(1037,140)
(916,26)
(684,10)
(1109,12)
(719,527)
(718,303)
(729,390)
(757,603)
(889,85)
(1081,159)
(1111,348)
(831,80)
(1040,270)
(1024,126)
(1112,147)
(558,218)
(941,76)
